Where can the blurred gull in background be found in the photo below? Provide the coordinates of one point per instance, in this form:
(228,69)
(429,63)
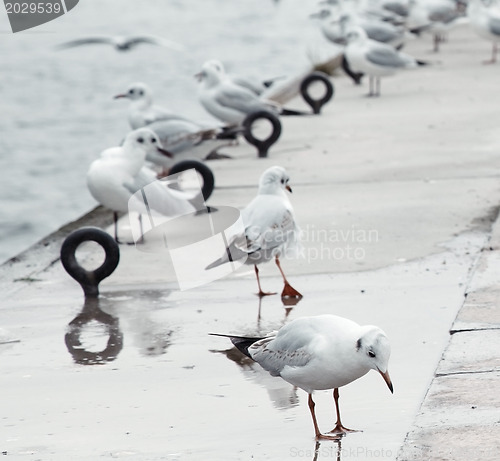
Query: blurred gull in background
(122,43)
(375,59)
(227,100)
(485,21)
(119,173)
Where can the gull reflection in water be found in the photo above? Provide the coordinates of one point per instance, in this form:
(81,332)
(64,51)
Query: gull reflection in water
(282,394)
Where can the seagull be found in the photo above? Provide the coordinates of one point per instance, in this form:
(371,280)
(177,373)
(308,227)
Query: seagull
(486,23)
(270,229)
(436,16)
(186,139)
(336,29)
(122,43)
(142,111)
(177,133)
(119,173)
(318,353)
(375,59)
(256,86)
(229,101)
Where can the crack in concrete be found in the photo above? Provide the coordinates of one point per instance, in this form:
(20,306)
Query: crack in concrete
(454,373)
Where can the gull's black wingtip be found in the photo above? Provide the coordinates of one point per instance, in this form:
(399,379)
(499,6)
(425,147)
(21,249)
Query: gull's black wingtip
(242,343)
(293,112)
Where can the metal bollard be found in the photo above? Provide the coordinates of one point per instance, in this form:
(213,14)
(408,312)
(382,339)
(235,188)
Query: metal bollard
(316,104)
(89,280)
(262,145)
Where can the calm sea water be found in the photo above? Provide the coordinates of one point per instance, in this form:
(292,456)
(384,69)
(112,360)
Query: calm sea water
(57,111)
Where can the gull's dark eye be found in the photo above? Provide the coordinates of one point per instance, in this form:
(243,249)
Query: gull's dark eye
(282,181)
(153,140)
(141,93)
(140,140)
(131,91)
(371,354)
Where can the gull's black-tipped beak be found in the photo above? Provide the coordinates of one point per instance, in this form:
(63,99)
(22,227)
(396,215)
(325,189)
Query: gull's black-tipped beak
(288,188)
(165,152)
(388,381)
(122,95)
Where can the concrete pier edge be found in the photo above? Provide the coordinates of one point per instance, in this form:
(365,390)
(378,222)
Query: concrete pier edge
(459,417)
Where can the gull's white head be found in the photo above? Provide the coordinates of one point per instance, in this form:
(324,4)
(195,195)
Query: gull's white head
(137,92)
(374,349)
(145,141)
(211,72)
(274,180)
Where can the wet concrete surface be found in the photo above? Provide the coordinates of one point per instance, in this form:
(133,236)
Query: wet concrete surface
(146,381)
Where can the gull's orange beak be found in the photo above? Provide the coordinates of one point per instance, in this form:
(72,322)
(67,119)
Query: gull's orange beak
(288,188)
(388,381)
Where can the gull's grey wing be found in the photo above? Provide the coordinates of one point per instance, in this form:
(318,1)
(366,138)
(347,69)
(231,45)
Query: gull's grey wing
(142,39)
(381,33)
(398,8)
(387,57)
(494,25)
(269,223)
(176,135)
(86,41)
(153,40)
(239,98)
(285,349)
(443,14)
(254,85)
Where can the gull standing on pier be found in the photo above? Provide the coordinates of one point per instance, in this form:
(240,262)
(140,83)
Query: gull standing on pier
(270,229)
(229,101)
(318,353)
(119,173)
(375,59)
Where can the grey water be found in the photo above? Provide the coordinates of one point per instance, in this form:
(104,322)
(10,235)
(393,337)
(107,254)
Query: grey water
(57,107)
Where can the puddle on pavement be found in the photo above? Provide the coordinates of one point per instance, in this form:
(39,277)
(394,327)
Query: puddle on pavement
(137,373)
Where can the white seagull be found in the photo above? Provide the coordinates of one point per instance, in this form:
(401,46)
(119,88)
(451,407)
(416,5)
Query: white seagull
(228,100)
(270,228)
(335,28)
(318,353)
(375,59)
(142,111)
(119,173)
(486,23)
(186,140)
(122,43)
(435,16)
(177,133)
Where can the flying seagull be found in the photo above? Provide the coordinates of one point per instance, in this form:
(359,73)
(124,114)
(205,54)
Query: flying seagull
(122,43)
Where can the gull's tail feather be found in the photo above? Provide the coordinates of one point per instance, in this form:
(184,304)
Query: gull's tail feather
(285,111)
(242,343)
(216,263)
(230,132)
